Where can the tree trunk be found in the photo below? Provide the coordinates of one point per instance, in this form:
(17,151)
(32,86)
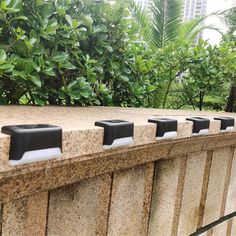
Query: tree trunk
(231,99)
(202,93)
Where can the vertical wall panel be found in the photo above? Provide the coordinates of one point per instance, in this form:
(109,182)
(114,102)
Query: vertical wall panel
(166,183)
(220,230)
(130,202)
(233,228)
(216,186)
(1,219)
(231,196)
(26,216)
(14,217)
(81,208)
(192,193)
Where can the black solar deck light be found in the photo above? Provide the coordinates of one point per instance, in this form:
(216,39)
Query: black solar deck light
(32,143)
(200,125)
(227,123)
(166,128)
(116,133)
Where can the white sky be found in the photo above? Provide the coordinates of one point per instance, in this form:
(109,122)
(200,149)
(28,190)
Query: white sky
(214,6)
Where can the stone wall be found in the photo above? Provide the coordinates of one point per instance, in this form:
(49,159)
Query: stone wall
(176,187)
(174,196)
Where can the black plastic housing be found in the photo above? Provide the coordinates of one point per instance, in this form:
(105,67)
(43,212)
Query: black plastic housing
(164,125)
(225,122)
(115,129)
(199,123)
(32,137)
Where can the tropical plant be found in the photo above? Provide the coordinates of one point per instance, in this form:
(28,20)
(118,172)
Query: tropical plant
(230,19)
(162,23)
(163,28)
(86,52)
(210,70)
(69,52)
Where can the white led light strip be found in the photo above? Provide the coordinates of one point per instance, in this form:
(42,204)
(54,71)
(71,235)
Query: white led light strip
(201,132)
(38,155)
(120,142)
(168,135)
(228,129)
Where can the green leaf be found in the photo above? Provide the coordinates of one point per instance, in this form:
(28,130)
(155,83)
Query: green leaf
(65,34)
(38,100)
(85,93)
(51,27)
(49,71)
(100,29)
(99,69)
(72,84)
(14,5)
(29,68)
(99,50)
(151,88)
(74,95)
(60,56)
(69,20)
(109,48)
(36,80)
(124,78)
(85,20)
(36,67)
(3,56)
(68,66)
(19,18)
(75,24)
(6,67)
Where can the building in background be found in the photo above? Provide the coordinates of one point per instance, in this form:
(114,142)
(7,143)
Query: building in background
(193,9)
(145,3)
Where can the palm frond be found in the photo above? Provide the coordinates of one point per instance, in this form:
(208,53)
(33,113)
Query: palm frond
(192,28)
(166,20)
(230,19)
(142,17)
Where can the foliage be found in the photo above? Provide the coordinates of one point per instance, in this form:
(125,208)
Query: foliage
(86,52)
(230,19)
(210,71)
(162,23)
(173,41)
(68,52)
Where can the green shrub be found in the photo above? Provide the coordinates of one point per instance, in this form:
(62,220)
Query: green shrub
(91,52)
(69,52)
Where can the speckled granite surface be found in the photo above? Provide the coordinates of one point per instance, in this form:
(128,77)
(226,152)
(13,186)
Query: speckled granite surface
(181,184)
(82,144)
(81,137)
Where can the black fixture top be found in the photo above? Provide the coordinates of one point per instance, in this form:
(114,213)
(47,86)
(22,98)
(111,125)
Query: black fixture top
(199,123)
(115,129)
(164,125)
(225,122)
(32,137)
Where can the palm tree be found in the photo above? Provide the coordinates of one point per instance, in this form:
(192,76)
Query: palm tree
(230,19)
(162,25)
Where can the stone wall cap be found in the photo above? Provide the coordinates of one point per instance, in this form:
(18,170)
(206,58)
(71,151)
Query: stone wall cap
(81,137)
